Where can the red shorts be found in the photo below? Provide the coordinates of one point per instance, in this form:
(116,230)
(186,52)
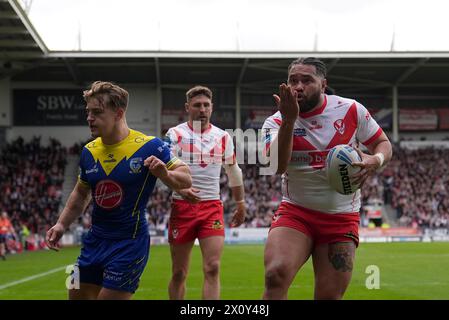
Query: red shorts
(319,226)
(189,221)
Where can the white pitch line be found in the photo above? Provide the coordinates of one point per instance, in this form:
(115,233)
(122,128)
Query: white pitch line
(14,283)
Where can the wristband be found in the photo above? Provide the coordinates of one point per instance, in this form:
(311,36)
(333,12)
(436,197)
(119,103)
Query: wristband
(381,158)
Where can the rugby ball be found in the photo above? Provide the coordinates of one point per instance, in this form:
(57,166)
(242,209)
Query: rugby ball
(339,169)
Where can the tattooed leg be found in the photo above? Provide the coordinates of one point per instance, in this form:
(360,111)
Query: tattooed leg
(333,264)
(341,256)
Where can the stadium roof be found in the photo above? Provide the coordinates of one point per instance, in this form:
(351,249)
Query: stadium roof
(20,44)
(25,57)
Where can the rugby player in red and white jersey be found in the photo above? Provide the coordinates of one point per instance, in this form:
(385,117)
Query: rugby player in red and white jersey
(197,212)
(313,219)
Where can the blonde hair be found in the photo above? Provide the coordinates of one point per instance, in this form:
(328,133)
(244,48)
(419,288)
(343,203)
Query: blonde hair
(108,94)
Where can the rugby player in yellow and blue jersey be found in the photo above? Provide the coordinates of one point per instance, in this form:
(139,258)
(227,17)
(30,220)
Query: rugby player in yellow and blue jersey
(118,171)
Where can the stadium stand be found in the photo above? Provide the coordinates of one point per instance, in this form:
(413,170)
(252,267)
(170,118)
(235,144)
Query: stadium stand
(414,184)
(31,178)
(417,181)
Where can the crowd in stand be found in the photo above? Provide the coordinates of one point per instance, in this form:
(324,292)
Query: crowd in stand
(415,183)
(31,178)
(420,187)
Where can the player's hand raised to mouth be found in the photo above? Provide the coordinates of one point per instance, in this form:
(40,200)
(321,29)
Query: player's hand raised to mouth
(287,103)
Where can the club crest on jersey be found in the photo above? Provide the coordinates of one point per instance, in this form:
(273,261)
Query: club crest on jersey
(135,164)
(339,125)
(217,225)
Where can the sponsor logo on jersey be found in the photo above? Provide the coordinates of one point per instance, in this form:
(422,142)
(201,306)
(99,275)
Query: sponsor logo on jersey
(339,125)
(315,125)
(93,170)
(217,225)
(166,144)
(339,104)
(267,135)
(110,158)
(300,158)
(91,145)
(367,116)
(315,159)
(135,164)
(276,217)
(108,194)
(318,159)
(299,132)
(188,141)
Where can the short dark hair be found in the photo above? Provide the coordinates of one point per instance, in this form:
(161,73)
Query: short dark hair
(197,91)
(108,94)
(319,65)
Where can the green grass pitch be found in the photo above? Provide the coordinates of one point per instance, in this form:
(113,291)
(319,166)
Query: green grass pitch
(407,271)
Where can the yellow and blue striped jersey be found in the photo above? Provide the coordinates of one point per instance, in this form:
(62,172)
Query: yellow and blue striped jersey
(120,183)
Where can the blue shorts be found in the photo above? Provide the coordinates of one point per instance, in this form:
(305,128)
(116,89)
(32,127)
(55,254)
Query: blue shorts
(113,264)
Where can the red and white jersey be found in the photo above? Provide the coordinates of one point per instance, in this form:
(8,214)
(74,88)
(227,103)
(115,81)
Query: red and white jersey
(338,121)
(205,153)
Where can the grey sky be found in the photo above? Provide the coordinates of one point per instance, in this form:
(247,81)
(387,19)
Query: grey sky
(243,25)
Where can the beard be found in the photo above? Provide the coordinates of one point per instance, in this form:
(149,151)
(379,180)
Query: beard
(308,103)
